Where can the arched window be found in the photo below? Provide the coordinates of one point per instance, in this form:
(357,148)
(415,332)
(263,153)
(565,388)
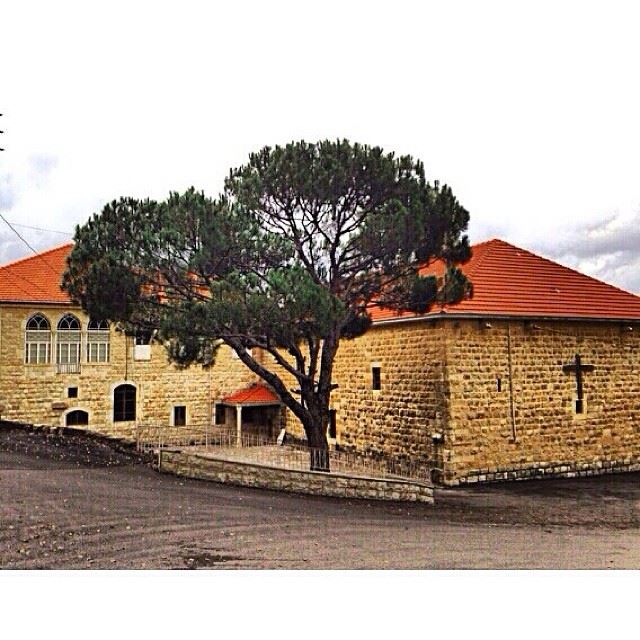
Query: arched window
(69,339)
(98,341)
(77,418)
(37,340)
(124,403)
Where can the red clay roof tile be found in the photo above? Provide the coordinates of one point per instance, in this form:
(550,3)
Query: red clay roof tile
(35,278)
(509,281)
(255,394)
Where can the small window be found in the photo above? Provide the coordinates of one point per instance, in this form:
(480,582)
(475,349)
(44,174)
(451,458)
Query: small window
(332,424)
(498,384)
(221,414)
(72,392)
(143,337)
(179,416)
(579,406)
(124,403)
(375,379)
(77,418)
(142,346)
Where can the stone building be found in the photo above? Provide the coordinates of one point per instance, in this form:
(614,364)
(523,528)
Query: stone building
(60,368)
(537,374)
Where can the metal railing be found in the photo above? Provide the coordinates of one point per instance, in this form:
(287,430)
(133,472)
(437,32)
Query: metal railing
(263,449)
(68,367)
(150,437)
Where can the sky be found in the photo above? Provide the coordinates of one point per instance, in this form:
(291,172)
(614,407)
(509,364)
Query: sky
(529,111)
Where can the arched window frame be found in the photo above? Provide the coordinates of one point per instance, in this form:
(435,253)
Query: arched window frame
(37,339)
(68,342)
(124,402)
(98,341)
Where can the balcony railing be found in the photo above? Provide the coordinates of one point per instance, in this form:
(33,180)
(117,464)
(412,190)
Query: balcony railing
(68,367)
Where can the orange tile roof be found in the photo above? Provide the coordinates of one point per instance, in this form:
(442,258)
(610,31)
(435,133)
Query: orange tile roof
(255,394)
(509,281)
(36,278)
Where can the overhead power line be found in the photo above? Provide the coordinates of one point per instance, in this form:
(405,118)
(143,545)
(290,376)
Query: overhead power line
(39,255)
(26,226)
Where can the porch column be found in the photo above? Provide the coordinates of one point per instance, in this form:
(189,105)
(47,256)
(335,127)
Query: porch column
(238,425)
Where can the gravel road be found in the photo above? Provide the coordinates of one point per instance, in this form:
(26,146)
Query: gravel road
(71,502)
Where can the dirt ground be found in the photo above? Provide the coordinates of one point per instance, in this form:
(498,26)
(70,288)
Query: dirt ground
(68,501)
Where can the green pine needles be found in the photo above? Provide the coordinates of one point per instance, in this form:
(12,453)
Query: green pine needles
(301,244)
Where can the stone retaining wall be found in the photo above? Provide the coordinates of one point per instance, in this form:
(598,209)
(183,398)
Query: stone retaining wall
(310,482)
(551,470)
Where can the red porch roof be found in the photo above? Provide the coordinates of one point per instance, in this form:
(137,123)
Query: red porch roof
(255,394)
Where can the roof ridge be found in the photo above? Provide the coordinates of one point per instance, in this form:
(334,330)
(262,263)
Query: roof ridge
(40,254)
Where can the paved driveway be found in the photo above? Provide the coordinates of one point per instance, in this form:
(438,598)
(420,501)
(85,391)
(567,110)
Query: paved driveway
(66,504)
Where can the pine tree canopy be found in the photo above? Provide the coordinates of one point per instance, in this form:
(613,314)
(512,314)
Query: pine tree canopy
(289,259)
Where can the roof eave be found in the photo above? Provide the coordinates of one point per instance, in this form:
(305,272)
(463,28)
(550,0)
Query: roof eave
(502,316)
(68,303)
(271,403)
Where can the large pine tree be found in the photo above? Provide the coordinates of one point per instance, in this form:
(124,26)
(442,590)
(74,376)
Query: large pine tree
(289,259)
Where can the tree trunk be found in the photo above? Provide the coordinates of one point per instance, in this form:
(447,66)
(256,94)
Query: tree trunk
(318,446)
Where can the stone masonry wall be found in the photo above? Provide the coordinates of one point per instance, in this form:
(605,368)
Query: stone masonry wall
(446,376)
(38,393)
(206,467)
(399,419)
(550,438)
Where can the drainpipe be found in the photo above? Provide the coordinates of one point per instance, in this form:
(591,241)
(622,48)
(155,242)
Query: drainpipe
(511,402)
(210,414)
(126,355)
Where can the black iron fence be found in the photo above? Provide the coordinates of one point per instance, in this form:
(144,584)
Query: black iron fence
(263,449)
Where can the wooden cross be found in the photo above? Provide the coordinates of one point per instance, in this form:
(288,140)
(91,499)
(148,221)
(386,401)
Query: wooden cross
(577,367)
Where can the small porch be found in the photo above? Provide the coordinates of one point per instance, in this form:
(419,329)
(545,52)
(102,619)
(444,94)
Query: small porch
(254,411)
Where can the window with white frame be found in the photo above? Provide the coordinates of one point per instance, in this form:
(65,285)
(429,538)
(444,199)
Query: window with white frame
(37,340)
(98,341)
(69,340)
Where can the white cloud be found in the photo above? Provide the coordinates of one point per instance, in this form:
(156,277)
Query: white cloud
(7,192)
(608,249)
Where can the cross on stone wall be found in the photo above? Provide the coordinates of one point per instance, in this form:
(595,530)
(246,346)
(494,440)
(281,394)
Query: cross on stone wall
(578,368)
